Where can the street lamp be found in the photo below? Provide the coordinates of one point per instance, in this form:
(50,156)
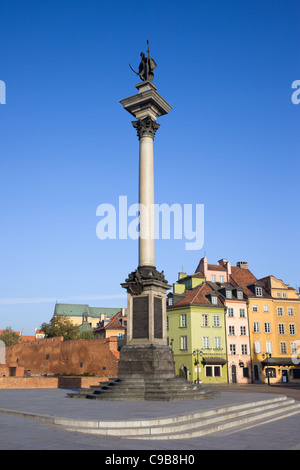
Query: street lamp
(197,352)
(267,355)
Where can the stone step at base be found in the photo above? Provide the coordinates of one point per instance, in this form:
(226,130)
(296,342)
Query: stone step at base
(138,389)
(222,420)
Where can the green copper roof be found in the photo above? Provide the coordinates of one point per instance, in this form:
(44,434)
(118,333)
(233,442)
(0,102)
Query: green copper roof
(77,310)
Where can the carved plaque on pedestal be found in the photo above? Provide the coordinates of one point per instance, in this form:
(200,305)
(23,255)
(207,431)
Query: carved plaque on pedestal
(140,315)
(158,328)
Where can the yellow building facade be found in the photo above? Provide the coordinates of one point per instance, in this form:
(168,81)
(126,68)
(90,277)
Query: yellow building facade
(274,327)
(284,363)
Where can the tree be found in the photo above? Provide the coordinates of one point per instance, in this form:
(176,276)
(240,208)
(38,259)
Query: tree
(60,326)
(9,337)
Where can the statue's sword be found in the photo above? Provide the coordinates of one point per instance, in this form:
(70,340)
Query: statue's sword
(133,70)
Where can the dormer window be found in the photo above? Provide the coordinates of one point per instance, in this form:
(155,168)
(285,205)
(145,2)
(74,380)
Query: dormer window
(228,294)
(258,291)
(240,295)
(214,299)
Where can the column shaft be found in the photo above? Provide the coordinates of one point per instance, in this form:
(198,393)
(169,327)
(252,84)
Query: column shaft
(146,201)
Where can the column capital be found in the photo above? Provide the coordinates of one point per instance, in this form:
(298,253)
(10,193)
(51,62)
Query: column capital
(146,127)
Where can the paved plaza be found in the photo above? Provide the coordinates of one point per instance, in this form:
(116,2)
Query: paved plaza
(18,433)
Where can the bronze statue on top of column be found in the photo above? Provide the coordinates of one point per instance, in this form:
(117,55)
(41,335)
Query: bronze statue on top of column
(146,66)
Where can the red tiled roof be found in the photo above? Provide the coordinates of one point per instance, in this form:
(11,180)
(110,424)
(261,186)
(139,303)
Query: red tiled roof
(243,277)
(113,324)
(196,296)
(216,267)
(28,338)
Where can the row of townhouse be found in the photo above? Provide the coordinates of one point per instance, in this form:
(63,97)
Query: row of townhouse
(225,325)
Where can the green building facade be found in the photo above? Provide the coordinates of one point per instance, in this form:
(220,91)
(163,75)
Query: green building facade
(196,332)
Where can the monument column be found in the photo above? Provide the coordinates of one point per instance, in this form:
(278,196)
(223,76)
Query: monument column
(146,287)
(146,365)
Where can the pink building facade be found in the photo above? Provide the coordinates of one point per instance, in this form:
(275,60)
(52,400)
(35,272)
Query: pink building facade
(236,318)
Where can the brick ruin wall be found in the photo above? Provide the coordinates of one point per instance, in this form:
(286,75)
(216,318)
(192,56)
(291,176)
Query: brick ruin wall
(77,357)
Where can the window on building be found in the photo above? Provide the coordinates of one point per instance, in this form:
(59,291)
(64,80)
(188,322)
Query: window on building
(270,372)
(167,318)
(256,327)
(183,320)
(205,342)
(205,320)
(217,341)
(290,311)
(183,342)
(254,308)
(231,330)
(294,347)
(257,347)
(120,336)
(221,279)
(243,331)
(232,349)
(283,349)
(266,308)
(284,295)
(269,347)
(292,329)
(214,299)
(280,311)
(228,294)
(213,278)
(213,371)
(216,320)
(267,327)
(278,294)
(244,349)
(281,329)
(240,295)
(242,313)
(258,291)
(170,301)
(230,312)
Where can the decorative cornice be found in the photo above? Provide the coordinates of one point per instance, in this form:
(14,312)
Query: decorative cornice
(142,276)
(146,127)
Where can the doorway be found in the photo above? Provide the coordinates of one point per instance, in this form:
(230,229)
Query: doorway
(285,375)
(256,373)
(233,374)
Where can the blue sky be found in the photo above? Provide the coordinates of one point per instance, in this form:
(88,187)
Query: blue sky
(231,141)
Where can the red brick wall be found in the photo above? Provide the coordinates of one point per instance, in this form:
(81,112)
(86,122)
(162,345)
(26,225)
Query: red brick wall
(4,370)
(55,356)
(49,382)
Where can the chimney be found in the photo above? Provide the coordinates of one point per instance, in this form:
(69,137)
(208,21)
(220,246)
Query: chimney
(227,265)
(123,313)
(242,264)
(223,262)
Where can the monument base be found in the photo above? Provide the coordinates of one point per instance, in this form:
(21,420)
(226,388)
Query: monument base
(146,373)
